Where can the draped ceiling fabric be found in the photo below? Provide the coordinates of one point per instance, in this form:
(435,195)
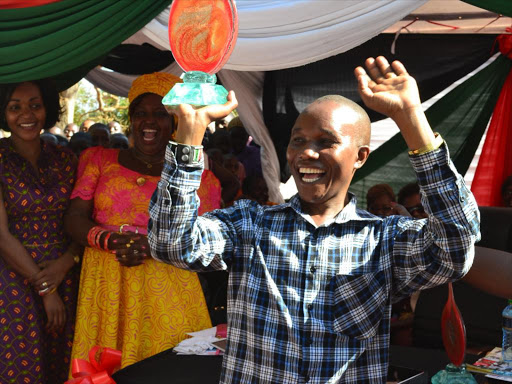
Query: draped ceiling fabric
(66,39)
(503,7)
(277,34)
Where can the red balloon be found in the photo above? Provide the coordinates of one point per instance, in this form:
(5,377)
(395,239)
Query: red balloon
(202,33)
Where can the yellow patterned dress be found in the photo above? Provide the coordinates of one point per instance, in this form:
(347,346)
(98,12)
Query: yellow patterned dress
(139,310)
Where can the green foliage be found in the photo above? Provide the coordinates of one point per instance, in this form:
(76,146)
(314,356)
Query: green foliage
(111,108)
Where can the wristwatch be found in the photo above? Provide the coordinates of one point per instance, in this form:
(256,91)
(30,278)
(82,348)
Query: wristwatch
(186,154)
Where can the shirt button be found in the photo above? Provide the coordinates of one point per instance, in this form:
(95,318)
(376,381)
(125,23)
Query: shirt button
(306,379)
(312,269)
(310,306)
(309,342)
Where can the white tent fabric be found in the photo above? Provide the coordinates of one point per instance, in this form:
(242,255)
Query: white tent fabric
(278,34)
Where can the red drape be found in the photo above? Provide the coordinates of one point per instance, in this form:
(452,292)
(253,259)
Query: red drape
(6,4)
(495,162)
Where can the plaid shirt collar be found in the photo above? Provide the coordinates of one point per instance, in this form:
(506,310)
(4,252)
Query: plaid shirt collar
(348,213)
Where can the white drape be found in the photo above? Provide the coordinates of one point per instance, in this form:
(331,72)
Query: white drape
(275,34)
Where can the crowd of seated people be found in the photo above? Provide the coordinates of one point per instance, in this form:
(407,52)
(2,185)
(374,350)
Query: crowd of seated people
(89,134)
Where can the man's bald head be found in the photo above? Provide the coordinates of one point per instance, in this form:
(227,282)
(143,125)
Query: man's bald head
(352,113)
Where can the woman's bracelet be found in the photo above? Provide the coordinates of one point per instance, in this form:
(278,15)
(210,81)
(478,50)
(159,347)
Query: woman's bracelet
(105,241)
(94,236)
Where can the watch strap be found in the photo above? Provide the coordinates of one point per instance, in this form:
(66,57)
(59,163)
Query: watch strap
(186,154)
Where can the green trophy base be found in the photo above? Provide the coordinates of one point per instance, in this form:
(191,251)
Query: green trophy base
(198,89)
(454,375)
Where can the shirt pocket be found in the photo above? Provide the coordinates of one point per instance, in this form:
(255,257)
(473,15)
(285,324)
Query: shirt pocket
(357,304)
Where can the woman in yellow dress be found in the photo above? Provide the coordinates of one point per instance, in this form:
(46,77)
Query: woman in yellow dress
(127,300)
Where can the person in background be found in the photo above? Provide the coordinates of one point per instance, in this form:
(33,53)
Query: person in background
(55,131)
(255,188)
(127,300)
(379,199)
(248,155)
(86,124)
(409,196)
(49,138)
(100,135)
(70,130)
(119,140)
(232,164)
(62,140)
(79,142)
(311,281)
(506,192)
(115,127)
(38,276)
(221,140)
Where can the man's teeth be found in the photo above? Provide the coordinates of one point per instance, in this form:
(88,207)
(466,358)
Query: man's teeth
(29,125)
(308,172)
(310,180)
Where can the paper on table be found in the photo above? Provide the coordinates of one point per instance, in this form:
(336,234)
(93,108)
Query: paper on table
(201,343)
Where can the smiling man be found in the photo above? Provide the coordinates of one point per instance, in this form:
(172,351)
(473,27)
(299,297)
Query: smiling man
(312,281)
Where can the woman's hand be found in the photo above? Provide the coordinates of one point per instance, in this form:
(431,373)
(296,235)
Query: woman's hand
(52,273)
(55,312)
(130,248)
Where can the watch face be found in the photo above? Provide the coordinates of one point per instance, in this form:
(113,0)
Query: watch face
(202,33)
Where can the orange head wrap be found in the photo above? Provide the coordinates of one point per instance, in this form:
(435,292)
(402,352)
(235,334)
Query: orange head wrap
(159,83)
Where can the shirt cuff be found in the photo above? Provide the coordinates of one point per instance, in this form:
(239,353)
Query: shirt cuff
(433,167)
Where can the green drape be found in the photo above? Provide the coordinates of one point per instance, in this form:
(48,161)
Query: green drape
(460,117)
(68,38)
(503,7)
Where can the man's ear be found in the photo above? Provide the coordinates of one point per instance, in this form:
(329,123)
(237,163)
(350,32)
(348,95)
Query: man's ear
(362,155)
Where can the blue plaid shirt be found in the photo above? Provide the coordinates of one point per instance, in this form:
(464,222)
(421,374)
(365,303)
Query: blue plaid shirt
(312,304)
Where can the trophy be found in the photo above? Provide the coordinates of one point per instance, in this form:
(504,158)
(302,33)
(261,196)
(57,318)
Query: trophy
(454,341)
(202,35)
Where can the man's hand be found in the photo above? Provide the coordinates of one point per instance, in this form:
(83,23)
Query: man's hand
(387,89)
(192,122)
(390,90)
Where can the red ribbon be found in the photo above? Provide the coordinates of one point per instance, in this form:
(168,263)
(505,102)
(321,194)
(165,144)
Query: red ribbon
(98,369)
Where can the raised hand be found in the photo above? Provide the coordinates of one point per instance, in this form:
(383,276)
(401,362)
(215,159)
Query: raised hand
(390,90)
(192,122)
(386,88)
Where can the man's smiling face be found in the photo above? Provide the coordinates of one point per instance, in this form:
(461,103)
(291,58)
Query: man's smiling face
(324,152)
